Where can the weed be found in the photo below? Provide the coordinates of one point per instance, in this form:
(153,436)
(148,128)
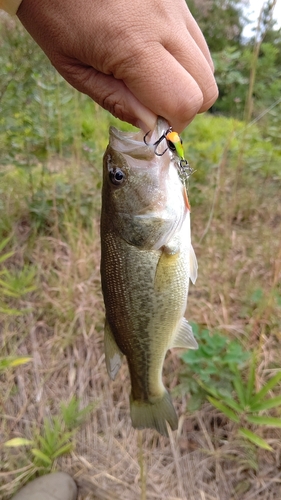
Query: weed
(245,405)
(56,438)
(13,284)
(212,364)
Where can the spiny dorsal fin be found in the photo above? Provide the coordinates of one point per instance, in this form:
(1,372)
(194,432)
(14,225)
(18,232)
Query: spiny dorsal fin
(113,355)
(184,337)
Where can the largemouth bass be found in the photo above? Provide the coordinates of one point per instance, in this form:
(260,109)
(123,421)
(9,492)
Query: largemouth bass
(146,262)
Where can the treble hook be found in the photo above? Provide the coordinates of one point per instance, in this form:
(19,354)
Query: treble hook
(156,143)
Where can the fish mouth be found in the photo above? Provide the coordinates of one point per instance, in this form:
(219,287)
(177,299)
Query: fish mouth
(132,143)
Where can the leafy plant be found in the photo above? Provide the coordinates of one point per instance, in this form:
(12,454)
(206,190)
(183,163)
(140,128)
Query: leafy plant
(212,365)
(50,207)
(72,416)
(13,284)
(245,406)
(56,437)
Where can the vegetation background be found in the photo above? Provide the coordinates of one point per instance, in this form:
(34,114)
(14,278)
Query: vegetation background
(59,411)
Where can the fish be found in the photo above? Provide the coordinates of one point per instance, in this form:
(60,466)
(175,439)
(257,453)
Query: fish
(147,260)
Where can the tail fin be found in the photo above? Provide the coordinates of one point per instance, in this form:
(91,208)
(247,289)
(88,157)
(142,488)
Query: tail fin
(146,415)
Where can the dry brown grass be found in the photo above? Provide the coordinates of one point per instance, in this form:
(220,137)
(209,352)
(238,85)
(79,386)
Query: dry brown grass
(63,332)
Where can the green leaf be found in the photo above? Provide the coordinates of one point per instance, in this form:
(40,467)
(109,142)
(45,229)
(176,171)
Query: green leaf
(6,363)
(260,420)
(15,442)
(233,404)
(4,243)
(65,437)
(224,409)
(6,256)
(39,454)
(266,405)
(267,387)
(254,438)
(20,361)
(10,311)
(239,387)
(6,287)
(45,445)
(251,378)
(67,448)
(210,390)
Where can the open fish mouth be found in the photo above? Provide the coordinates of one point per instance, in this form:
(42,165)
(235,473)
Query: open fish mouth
(132,143)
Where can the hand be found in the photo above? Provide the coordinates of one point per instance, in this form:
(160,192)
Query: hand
(137,59)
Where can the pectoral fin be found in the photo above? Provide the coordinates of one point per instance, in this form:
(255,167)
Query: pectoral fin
(113,355)
(184,337)
(193,265)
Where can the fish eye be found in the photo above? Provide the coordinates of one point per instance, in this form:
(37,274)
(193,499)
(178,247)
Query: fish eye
(116,176)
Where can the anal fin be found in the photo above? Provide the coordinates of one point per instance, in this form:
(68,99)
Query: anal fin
(184,337)
(113,355)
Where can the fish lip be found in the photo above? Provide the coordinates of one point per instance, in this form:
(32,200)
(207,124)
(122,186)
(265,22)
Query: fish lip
(132,143)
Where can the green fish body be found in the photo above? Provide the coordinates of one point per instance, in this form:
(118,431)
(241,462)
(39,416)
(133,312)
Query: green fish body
(146,263)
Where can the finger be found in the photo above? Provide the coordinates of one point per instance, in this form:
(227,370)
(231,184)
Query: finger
(198,38)
(189,55)
(161,83)
(111,94)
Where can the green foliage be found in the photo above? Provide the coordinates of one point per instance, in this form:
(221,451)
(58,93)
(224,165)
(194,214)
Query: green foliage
(221,136)
(40,114)
(232,77)
(228,25)
(14,284)
(214,372)
(20,77)
(234,57)
(72,416)
(245,405)
(57,436)
(212,365)
(49,205)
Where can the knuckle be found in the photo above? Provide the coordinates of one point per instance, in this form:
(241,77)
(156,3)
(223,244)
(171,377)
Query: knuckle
(125,63)
(194,104)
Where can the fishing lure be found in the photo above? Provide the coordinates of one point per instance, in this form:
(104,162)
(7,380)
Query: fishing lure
(174,144)
(173,140)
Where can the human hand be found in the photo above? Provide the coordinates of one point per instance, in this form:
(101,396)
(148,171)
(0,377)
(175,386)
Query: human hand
(137,59)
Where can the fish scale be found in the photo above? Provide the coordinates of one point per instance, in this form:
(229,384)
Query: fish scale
(146,263)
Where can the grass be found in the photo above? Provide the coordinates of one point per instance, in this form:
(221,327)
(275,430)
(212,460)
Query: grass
(49,221)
